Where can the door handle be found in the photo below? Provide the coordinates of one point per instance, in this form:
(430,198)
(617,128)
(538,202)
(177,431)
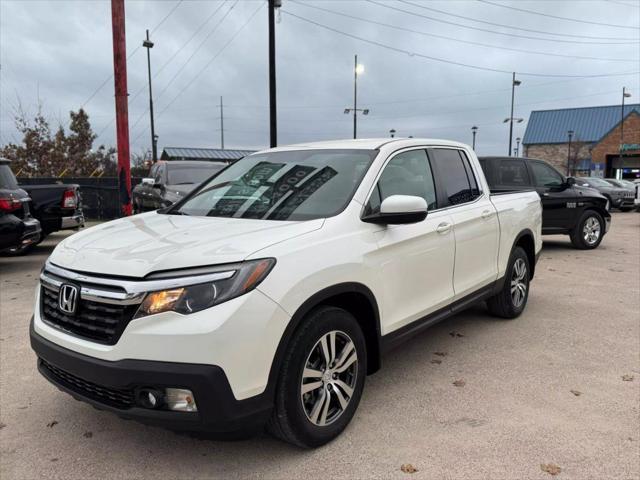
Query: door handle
(487,214)
(443,227)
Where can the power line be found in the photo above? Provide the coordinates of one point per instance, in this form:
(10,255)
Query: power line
(442,60)
(619,2)
(532,12)
(515,35)
(181,69)
(224,47)
(459,40)
(135,50)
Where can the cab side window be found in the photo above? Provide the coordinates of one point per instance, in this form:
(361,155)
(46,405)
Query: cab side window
(513,173)
(455,174)
(408,173)
(158,177)
(545,175)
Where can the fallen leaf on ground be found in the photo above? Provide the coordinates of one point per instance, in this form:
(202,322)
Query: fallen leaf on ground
(627,378)
(2,425)
(576,392)
(550,468)
(436,361)
(53,460)
(441,354)
(459,383)
(408,468)
(87,434)
(51,424)
(456,334)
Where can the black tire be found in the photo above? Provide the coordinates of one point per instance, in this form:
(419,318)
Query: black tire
(290,421)
(580,237)
(504,304)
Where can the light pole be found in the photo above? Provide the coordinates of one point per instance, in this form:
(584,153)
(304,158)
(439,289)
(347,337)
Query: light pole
(518,146)
(570,133)
(625,94)
(474,130)
(392,132)
(357,69)
(148,44)
(514,84)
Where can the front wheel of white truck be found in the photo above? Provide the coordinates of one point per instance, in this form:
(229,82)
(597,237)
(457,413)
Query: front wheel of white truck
(321,379)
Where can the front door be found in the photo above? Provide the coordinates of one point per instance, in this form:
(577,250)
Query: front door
(414,261)
(555,194)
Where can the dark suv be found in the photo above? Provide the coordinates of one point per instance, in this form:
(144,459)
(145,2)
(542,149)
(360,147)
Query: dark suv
(19,231)
(567,208)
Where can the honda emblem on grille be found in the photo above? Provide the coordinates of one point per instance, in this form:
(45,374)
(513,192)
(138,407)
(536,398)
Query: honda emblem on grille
(68,298)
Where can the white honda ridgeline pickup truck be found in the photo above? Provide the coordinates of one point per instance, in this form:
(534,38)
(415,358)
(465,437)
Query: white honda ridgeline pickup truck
(268,294)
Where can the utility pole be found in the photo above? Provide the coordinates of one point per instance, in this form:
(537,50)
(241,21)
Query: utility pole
(221,125)
(625,94)
(148,44)
(514,84)
(122,113)
(273,120)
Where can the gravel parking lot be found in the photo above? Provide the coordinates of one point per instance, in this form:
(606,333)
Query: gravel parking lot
(560,385)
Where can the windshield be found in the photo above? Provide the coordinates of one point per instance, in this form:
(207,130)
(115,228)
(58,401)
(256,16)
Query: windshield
(7,179)
(290,185)
(183,174)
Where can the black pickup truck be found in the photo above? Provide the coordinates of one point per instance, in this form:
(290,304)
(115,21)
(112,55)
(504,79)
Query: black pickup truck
(19,231)
(567,208)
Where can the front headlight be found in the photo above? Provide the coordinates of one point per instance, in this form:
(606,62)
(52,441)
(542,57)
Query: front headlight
(243,277)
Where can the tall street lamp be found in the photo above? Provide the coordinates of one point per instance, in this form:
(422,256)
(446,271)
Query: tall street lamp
(358,69)
(518,146)
(570,134)
(273,119)
(392,132)
(474,130)
(625,94)
(148,44)
(514,84)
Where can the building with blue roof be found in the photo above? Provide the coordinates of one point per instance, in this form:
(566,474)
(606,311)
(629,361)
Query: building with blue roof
(605,141)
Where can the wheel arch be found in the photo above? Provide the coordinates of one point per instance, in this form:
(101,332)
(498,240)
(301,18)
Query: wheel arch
(357,299)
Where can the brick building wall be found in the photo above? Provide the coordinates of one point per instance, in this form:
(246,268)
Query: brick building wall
(556,153)
(610,144)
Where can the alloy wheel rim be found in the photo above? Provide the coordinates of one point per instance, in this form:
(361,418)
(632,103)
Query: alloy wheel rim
(329,378)
(591,230)
(518,283)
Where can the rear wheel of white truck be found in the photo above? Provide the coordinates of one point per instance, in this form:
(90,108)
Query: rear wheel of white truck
(512,298)
(321,379)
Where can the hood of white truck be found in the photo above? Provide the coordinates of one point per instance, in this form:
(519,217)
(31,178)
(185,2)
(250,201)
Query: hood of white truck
(138,245)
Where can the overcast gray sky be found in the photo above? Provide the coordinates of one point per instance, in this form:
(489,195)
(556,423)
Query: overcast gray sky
(61,52)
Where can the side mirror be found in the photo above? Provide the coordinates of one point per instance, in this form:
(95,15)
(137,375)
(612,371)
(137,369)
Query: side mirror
(399,209)
(571,181)
(148,181)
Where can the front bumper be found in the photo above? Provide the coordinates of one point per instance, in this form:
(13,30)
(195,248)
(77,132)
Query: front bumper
(111,385)
(75,221)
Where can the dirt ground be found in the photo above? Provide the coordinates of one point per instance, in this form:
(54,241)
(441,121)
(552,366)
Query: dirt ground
(543,390)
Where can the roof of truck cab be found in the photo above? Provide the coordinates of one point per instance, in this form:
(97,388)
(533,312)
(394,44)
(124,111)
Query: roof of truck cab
(368,143)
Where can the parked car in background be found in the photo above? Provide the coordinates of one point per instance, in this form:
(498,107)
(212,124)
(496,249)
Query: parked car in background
(569,209)
(619,197)
(268,294)
(168,182)
(57,206)
(636,198)
(19,231)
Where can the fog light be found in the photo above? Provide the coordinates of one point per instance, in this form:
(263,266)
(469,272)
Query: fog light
(149,398)
(180,400)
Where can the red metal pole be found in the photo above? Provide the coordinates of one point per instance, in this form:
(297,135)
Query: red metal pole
(122,113)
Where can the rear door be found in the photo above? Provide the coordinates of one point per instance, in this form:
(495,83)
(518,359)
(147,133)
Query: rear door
(475,221)
(558,201)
